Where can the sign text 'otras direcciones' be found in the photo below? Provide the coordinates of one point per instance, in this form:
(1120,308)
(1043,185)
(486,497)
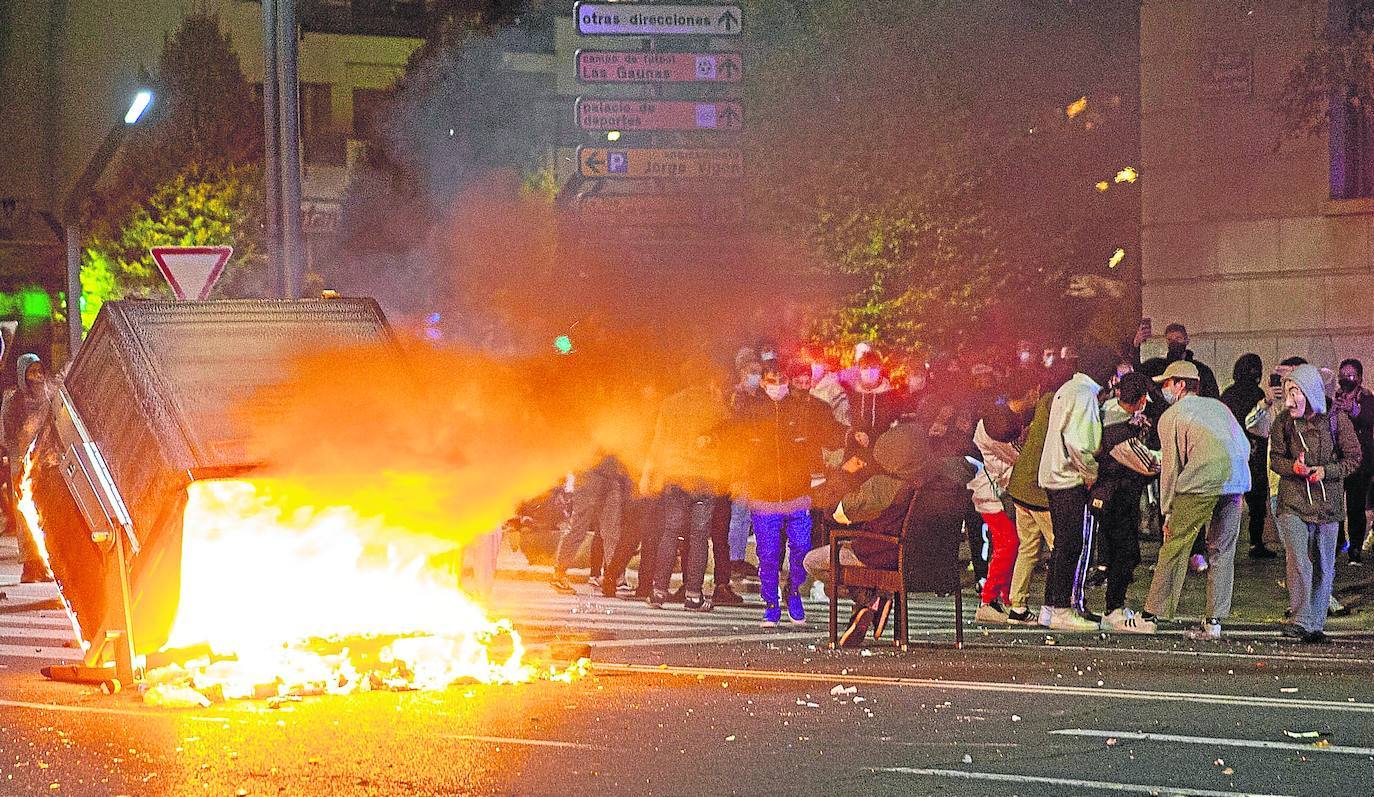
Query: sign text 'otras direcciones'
(657,19)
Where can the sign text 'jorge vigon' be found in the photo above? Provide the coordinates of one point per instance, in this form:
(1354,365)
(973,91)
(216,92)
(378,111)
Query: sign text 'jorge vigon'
(622,164)
(607,66)
(656,19)
(604,114)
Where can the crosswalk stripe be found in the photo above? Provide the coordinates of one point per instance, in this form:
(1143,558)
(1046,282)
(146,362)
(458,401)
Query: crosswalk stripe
(32,620)
(30,632)
(40,652)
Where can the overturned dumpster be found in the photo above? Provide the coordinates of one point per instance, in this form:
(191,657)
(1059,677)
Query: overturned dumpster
(146,408)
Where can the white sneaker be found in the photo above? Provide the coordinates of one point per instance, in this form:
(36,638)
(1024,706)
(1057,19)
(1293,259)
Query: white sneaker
(1209,631)
(991,613)
(818,592)
(1125,621)
(1070,620)
(1045,612)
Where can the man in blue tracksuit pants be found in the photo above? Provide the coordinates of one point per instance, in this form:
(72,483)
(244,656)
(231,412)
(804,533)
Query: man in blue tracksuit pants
(782,432)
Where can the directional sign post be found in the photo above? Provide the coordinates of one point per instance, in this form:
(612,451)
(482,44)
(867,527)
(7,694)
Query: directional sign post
(191,270)
(602,66)
(602,114)
(631,164)
(657,19)
(653,210)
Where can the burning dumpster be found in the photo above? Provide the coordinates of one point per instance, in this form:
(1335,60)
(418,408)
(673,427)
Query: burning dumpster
(148,408)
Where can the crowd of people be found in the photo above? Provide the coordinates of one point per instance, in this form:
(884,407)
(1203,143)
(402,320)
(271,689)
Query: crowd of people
(1055,453)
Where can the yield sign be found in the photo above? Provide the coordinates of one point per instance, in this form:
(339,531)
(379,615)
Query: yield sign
(191,270)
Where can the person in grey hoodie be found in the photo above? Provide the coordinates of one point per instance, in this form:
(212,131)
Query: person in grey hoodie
(1205,469)
(1312,452)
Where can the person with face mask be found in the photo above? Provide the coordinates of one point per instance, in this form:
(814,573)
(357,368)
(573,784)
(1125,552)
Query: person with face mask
(781,434)
(1247,402)
(1205,468)
(22,413)
(1313,453)
(1177,340)
(1357,404)
(873,406)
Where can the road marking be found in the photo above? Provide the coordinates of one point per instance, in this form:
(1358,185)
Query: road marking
(1260,743)
(980,686)
(37,652)
(1105,785)
(776,636)
(51,634)
(122,712)
(60,623)
(518,741)
(1279,655)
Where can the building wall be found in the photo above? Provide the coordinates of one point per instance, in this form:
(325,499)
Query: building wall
(1240,240)
(68,67)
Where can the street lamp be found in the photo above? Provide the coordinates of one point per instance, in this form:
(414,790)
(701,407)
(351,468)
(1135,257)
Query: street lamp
(71,208)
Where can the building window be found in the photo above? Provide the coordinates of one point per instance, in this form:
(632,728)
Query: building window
(1351,128)
(368,105)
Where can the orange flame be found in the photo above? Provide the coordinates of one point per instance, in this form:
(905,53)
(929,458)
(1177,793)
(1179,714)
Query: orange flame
(28,509)
(264,573)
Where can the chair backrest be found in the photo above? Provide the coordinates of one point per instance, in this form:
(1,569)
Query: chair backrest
(931,533)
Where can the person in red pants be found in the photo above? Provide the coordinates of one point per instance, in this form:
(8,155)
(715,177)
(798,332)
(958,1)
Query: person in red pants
(995,436)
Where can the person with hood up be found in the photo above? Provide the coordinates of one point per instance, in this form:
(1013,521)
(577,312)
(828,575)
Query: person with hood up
(1313,453)
(904,465)
(1248,403)
(782,434)
(1357,403)
(873,405)
(22,413)
(1204,470)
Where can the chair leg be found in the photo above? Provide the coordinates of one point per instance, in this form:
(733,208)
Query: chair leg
(903,621)
(834,596)
(958,619)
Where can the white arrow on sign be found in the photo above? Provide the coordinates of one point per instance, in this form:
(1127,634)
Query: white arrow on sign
(191,270)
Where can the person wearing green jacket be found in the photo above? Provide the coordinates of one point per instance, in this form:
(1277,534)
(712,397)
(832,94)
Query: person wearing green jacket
(1032,504)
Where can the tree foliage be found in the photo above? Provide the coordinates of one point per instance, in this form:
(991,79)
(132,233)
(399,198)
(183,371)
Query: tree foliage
(940,180)
(189,176)
(1339,67)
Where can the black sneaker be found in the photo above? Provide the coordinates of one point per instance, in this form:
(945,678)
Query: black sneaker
(1292,631)
(859,624)
(1261,552)
(699,604)
(724,596)
(1315,638)
(657,599)
(1097,578)
(678,595)
(562,586)
(1022,617)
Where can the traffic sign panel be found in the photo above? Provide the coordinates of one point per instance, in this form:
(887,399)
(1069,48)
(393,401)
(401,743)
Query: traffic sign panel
(656,19)
(602,66)
(670,163)
(191,270)
(603,114)
(649,210)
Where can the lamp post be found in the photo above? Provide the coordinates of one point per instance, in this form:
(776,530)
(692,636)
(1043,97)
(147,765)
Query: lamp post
(71,208)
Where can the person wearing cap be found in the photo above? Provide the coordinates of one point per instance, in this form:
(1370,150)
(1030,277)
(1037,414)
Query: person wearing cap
(1313,451)
(1126,465)
(1204,471)
(1068,467)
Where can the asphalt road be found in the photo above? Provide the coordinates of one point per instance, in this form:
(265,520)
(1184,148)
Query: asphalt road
(751,718)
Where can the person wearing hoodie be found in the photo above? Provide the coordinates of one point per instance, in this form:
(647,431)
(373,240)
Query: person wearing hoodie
(749,379)
(1245,398)
(1356,403)
(905,464)
(781,435)
(1204,470)
(996,435)
(22,413)
(1068,467)
(1313,453)
(873,405)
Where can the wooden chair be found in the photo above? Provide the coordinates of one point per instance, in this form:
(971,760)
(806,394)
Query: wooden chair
(925,563)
